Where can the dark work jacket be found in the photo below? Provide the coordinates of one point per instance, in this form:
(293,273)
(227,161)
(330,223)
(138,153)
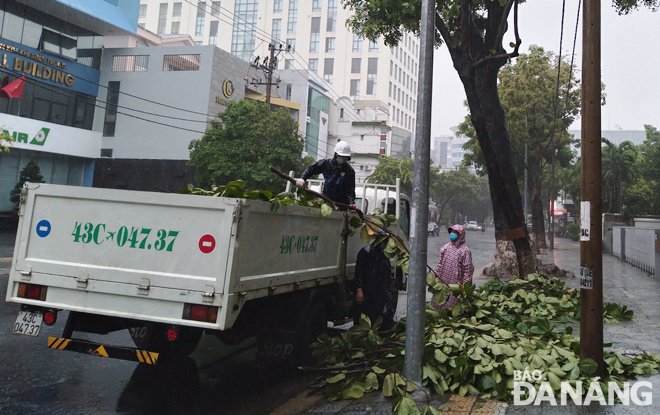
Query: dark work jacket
(339,179)
(373,273)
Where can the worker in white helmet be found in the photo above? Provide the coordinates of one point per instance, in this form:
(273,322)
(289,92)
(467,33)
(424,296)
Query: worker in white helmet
(339,176)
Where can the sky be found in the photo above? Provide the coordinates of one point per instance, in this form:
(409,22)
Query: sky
(630,65)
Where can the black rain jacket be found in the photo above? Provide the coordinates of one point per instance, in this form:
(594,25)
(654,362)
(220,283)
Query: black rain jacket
(339,179)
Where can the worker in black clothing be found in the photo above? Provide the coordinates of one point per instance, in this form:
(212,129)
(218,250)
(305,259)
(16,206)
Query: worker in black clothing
(338,175)
(375,293)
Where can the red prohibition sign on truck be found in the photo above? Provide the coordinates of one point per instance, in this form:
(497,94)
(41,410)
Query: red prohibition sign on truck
(207,244)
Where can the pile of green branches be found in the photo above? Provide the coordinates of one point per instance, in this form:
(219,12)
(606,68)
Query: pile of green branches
(474,347)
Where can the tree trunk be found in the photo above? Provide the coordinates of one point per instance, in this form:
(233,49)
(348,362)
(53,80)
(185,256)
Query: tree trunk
(506,262)
(487,115)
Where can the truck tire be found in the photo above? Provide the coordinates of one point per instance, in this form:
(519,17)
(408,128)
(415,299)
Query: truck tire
(152,337)
(313,324)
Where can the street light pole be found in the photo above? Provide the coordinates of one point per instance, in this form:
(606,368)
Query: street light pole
(591,256)
(412,367)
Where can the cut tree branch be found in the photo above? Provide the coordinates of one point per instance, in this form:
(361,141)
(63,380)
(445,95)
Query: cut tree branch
(500,36)
(444,31)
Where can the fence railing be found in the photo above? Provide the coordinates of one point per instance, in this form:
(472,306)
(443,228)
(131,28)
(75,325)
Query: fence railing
(616,242)
(639,247)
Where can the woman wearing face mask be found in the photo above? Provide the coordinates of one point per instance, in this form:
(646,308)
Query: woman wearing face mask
(338,174)
(455,266)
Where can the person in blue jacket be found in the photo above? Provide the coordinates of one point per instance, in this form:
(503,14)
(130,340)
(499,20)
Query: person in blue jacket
(338,175)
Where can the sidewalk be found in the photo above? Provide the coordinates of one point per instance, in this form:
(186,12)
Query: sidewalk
(621,284)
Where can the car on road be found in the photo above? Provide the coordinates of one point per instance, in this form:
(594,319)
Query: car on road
(472,226)
(433,229)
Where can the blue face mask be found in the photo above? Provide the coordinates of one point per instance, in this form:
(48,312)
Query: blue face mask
(453,237)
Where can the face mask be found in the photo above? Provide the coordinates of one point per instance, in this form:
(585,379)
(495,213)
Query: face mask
(453,237)
(342,160)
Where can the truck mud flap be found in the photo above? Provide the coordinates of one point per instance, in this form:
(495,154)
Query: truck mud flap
(102,350)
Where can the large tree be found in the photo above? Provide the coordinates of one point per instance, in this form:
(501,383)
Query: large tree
(473,31)
(247,139)
(461,191)
(390,168)
(618,170)
(538,116)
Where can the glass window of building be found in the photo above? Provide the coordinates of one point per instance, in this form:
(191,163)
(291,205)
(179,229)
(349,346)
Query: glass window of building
(201,16)
(215,8)
(316,5)
(288,64)
(176,26)
(372,76)
(291,43)
(277,6)
(332,16)
(111,103)
(162,18)
(130,63)
(330,44)
(176,10)
(355,65)
(243,40)
(143,10)
(315,37)
(357,43)
(276,30)
(373,46)
(328,69)
(181,62)
(314,65)
(293,16)
(213,33)
(355,88)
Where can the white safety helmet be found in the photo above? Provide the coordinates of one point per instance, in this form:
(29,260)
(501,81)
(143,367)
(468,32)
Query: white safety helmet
(343,149)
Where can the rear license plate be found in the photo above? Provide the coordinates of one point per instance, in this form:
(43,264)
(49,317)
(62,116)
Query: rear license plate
(28,323)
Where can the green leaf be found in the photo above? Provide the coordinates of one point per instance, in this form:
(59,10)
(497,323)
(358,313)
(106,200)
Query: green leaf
(555,382)
(588,366)
(388,385)
(326,209)
(354,391)
(371,382)
(336,378)
(505,334)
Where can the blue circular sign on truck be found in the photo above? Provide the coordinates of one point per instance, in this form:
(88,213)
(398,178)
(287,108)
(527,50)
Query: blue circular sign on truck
(43,228)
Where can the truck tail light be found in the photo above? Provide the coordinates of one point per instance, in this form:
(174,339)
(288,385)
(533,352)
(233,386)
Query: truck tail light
(32,291)
(172,334)
(198,312)
(50,317)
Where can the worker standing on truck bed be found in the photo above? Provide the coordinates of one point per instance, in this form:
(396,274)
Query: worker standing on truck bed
(338,175)
(375,294)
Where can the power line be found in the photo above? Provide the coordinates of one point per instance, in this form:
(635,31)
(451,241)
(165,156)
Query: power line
(38,83)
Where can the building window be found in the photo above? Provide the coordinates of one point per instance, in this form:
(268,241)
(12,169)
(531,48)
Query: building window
(293,16)
(315,37)
(355,88)
(176,10)
(181,62)
(111,102)
(242,44)
(175,28)
(201,16)
(357,43)
(162,18)
(106,152)
(288,92)
(328,69)
(215,8)
(291,43)
(213,33)
(314,65)
(332,16)
(316,5)
(341,113)
(288,64)
(277,6)
(277,30)
(330,44)
(130,63)
(355,65)
(390,90)
(143,10)
(372,76)
(373,46)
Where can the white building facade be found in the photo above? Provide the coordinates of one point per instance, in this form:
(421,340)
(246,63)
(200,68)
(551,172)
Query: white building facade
(342,63)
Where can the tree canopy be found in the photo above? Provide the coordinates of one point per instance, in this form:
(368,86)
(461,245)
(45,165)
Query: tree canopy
(244,143)
(389,169)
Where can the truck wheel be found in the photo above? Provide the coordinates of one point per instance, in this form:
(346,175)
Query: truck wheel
(153,337)
(313,324)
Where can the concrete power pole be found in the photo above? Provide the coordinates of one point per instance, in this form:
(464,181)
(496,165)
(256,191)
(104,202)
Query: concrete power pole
(412,368)
(591,257)
(269,72)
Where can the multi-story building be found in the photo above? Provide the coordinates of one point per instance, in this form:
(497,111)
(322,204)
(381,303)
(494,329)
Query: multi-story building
(448,151)
(318,40)
(56,47)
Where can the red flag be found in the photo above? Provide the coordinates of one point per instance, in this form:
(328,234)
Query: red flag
(14,89)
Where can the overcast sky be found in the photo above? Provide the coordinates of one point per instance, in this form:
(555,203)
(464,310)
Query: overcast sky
(630,63)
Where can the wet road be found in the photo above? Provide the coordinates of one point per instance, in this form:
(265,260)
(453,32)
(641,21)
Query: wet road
(216,379)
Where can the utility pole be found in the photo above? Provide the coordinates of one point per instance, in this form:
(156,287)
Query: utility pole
(552,199)
(269,72)
(415,327)
(591,256)
(526,193)
(267,66)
